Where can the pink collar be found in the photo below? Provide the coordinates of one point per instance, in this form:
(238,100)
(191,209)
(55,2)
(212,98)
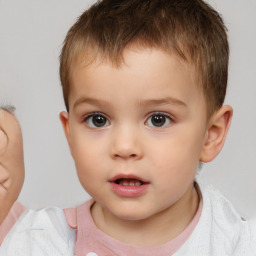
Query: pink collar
(92,239)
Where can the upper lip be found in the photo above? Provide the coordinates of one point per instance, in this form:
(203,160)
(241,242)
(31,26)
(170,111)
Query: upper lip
(128,176)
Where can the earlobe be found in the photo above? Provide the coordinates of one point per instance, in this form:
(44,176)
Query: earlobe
(64,118)
(216,133)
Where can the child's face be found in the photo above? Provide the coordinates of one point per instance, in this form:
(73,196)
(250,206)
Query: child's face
(136,132)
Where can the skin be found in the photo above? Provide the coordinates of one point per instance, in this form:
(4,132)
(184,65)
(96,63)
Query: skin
(150,83)
(11,162)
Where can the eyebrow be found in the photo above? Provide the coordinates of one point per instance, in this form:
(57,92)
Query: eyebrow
(145,102)
(162,101)
(91,101)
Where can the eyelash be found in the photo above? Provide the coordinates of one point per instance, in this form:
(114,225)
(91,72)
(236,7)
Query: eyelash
(94,114)
(166,116)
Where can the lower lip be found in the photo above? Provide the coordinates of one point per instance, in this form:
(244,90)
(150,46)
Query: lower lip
(128,191)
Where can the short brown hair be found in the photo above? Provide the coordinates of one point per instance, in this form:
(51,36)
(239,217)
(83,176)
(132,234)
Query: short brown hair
(190,28)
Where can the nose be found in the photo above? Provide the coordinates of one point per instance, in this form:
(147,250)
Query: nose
(126,144)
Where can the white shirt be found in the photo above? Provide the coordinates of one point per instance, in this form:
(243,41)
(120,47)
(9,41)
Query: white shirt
(219,232)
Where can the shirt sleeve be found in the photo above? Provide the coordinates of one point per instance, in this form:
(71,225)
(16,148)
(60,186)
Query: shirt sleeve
(16,211)
(40,233)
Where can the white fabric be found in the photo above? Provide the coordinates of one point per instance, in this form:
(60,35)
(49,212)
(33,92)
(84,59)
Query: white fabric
(220,232)
(40,233)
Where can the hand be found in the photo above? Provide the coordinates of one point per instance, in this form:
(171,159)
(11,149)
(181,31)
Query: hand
(11,161)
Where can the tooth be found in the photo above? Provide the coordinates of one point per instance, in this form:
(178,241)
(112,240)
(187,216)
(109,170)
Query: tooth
(129,182)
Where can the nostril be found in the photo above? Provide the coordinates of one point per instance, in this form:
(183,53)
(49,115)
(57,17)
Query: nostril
(125,155)
(125,150)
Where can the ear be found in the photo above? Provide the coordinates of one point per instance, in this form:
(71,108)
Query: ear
(64,118)
(216,133)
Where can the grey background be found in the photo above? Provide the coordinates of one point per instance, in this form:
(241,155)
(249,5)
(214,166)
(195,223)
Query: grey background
(31,35)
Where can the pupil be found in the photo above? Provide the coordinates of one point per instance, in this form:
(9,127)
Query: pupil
(99,121)
(158,120)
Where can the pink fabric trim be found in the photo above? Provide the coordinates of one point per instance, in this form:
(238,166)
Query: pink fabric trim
(89,237)
(14,214)
(70,214)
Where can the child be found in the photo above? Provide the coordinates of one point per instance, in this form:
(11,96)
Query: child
(144,84)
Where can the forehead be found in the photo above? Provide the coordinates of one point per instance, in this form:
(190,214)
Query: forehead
(93,57)
(141,69)
(131,58)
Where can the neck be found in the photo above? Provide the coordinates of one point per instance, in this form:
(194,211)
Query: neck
(155,230)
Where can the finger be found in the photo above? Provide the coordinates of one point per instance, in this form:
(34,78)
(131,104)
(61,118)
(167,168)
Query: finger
(3,141)
(11,160)
(9,127)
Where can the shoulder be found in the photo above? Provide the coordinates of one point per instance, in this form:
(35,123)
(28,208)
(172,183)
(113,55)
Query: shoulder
(42,232)
(221,226)
(14,214)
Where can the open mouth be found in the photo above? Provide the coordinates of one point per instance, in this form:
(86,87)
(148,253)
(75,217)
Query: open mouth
(129,185)
(129,182)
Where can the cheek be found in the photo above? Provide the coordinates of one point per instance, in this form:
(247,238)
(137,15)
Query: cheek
(87,168)
(87,155)
(83,146)
(178,155)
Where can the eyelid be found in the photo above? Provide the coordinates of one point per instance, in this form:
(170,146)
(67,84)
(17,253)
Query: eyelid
(160,113)
(87,116)
(168,116)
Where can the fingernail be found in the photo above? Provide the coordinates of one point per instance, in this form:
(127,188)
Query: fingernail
(3,141)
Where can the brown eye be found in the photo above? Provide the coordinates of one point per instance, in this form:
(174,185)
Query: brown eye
(97,121)
(158,120)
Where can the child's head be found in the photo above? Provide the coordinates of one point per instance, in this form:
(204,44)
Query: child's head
(190,29)
(144,82)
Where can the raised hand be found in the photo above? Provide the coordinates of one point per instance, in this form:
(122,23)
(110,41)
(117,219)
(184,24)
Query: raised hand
(11,161)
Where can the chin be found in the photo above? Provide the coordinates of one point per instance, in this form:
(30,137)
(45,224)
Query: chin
(131,216)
